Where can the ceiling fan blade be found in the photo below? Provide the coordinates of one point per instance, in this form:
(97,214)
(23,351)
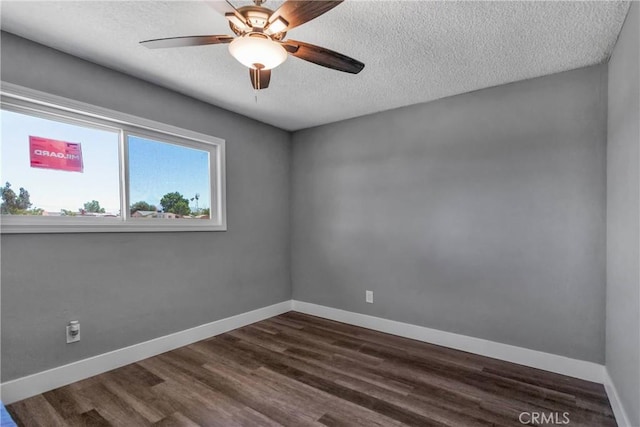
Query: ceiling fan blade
(322,56)
(298,12)
(229,11)
(259,78)
(186,41)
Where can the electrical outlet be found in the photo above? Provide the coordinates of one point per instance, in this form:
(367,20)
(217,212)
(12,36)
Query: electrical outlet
(369,297)
(73,332)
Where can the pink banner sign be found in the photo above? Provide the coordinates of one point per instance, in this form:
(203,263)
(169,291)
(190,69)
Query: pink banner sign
(51,154)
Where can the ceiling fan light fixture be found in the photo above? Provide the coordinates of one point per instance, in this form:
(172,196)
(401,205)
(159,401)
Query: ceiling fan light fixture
(277,26)
(256,48)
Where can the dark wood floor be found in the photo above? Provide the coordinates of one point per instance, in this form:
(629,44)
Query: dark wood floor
(299,370)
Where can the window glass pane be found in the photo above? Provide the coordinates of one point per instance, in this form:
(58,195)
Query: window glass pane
(168,181)
(66,169)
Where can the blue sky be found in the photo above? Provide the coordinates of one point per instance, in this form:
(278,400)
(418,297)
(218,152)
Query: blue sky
(155,168)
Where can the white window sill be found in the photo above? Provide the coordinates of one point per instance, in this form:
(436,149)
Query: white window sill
(12,225)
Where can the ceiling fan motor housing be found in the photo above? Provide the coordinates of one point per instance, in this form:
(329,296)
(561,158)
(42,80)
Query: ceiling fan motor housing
(258,18)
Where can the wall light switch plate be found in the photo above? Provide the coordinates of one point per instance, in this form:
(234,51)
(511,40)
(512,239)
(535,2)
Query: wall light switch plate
(369,296)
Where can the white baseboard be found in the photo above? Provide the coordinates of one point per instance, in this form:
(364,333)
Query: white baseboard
(523,356)
(21,388)
(614,399)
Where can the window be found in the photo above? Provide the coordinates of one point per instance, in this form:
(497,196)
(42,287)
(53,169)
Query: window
(72,167)
(172,177)
(30,146)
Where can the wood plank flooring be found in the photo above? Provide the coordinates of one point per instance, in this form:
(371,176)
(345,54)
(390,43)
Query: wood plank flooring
(300,370)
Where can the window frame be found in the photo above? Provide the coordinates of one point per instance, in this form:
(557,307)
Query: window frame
(43,105)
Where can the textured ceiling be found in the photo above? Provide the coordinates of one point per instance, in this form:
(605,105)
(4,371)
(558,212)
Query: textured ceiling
(414,51)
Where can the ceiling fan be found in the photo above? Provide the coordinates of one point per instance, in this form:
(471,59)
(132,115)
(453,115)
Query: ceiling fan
(260,41)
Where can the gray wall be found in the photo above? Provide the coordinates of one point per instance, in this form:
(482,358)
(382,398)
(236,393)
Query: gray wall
(128,288)
(481,214)
(623,217)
